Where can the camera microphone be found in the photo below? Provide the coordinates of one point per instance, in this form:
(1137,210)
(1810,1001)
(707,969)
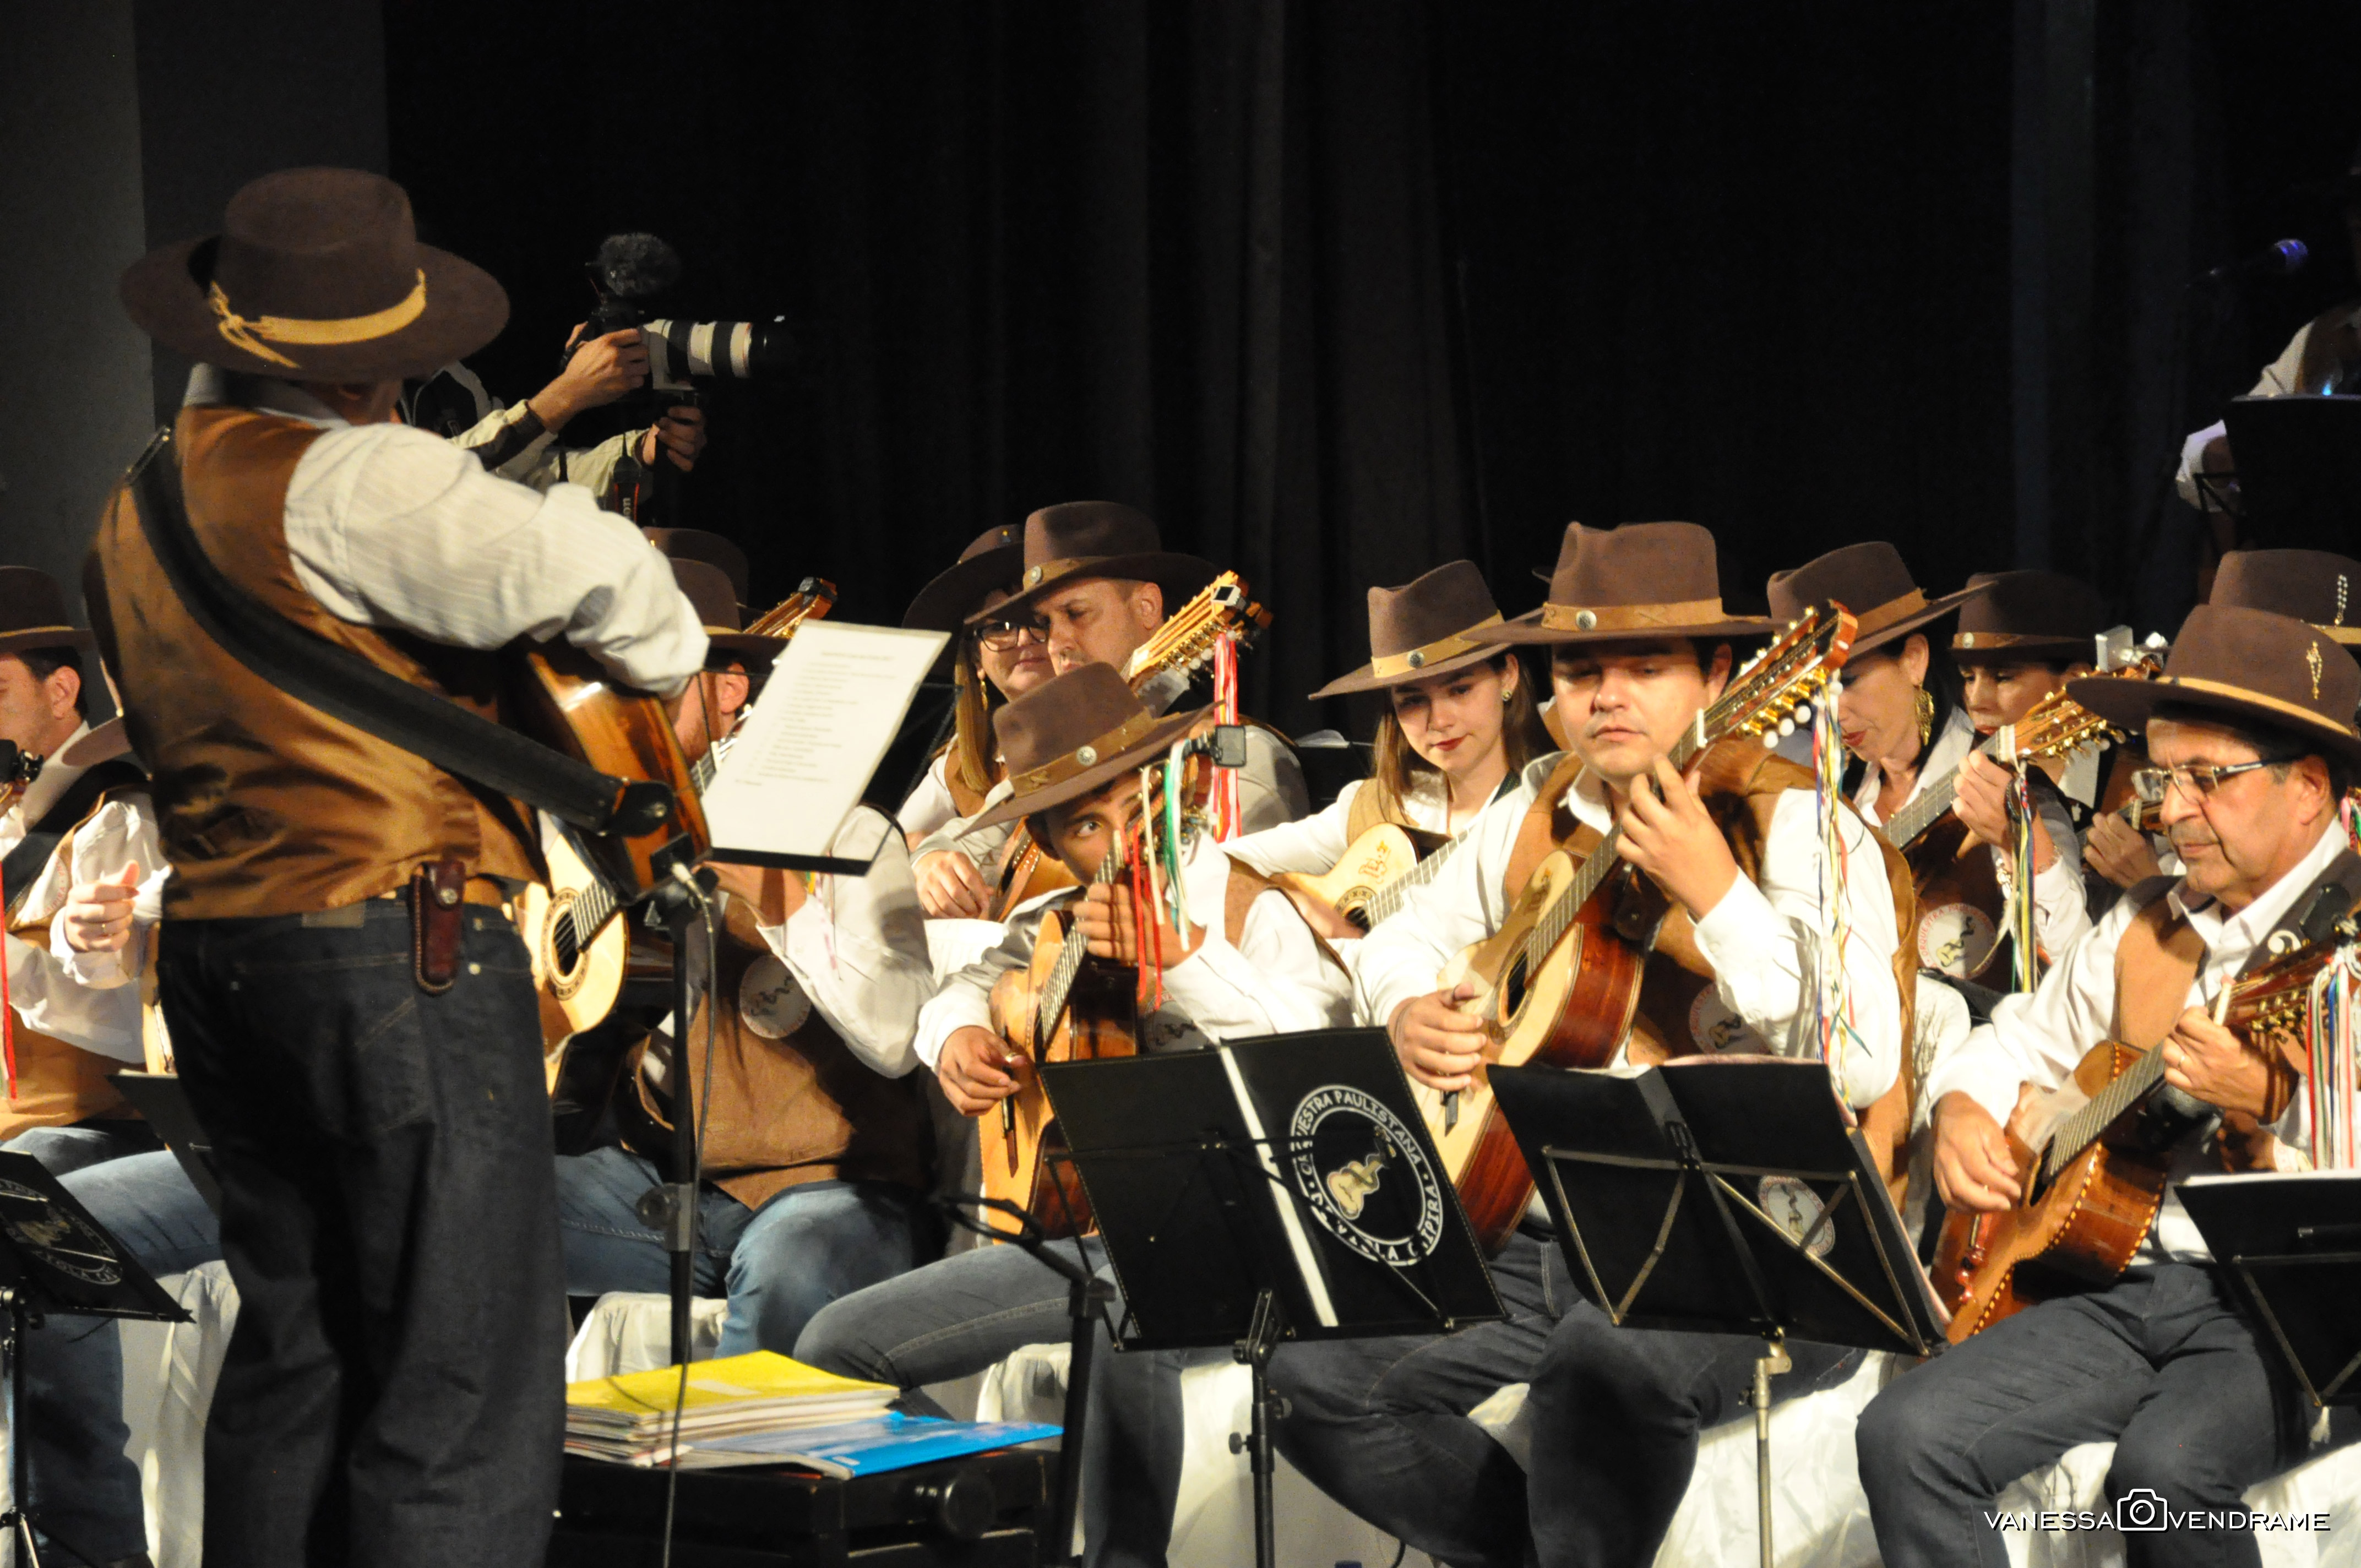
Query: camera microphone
(2282,258)
(635,266)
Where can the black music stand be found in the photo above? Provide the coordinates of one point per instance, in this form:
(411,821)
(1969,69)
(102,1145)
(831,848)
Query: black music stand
(2292,1244)
(2299,469)
(55,1260)
(1722,1195)
(1275,1189)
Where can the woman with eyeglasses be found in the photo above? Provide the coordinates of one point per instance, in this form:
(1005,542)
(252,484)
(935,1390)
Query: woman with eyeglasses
(991,665)
(1457,725)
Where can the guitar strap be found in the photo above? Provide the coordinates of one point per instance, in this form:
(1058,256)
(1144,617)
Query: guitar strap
(23,866)
(347,686)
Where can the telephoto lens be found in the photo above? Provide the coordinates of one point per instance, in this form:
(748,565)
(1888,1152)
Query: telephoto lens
(739,351)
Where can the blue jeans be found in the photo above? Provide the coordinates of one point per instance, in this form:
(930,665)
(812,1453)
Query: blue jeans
(61,1150)
(2161,1364)
(956,1318)
(83,1485)
(394,1396)
(778,1264)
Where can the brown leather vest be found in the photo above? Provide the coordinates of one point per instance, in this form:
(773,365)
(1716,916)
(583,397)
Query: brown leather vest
(1373,807)
(57,1082)
(266,805)
(787,1111)
(1679,1013)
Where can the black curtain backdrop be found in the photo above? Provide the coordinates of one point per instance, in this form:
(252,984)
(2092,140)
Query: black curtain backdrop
(1339,292)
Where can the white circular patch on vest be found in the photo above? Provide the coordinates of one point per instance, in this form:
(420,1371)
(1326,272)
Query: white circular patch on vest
(770,1002)
(1795,1207)
(1715,1027)
(1956,939)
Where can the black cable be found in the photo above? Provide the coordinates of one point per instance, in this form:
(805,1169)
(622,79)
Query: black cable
(1402,1549)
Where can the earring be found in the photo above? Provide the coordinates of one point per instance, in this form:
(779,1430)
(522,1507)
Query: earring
(1508,696)
(1926,701)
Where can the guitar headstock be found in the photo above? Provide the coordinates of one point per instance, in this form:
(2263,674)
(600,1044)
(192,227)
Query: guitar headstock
(2270,999)
(813,598)
(1775,686)
(1185,640)
(2058,725)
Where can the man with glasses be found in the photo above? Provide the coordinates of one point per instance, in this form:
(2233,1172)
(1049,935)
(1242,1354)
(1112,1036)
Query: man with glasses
(2251,745)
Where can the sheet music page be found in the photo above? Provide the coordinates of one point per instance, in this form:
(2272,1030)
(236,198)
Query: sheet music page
(833,705)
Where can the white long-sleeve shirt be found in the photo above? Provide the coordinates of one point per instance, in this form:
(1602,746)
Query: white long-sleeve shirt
(1275,981)
(930,807)
(2039,1038)
(89,1000)
(858,948)
(2278,378)
(1761,938)
(390,526)
(1315,844)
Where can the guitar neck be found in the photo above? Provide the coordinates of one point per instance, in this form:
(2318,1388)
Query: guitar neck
(1060,986)
(1390,897)
(1934,802)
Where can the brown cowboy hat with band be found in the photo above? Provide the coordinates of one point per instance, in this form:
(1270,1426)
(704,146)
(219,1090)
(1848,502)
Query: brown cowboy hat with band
(709,587)
(317,275)
(700,544)
(1073,733)
(1081,539)
(2245,664)
(1443,621)
(2036,617)
(1641,580)
(2310,585)
(1871,581)
(994,559)
(33,613)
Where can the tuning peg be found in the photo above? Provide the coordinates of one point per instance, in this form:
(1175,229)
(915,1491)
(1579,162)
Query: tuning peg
(1769,740)
(1802,713)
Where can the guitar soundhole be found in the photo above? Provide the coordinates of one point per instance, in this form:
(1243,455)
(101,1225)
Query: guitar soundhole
(1513,989)
(562,943)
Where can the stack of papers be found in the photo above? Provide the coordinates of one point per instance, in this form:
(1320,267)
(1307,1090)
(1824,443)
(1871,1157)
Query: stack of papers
(629,1418)
(865,1447)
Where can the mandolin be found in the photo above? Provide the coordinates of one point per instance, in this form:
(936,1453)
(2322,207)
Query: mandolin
(1369,881)
(1557,983)
(579,950)
(2100,1177)
(1158,670)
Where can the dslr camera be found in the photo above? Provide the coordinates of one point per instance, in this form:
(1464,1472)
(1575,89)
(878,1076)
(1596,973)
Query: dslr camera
(630,273)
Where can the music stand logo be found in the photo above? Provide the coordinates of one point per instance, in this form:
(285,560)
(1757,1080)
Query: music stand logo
(1364,1176)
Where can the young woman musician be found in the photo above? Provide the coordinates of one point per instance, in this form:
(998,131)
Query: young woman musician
(991,664)
(1459,723)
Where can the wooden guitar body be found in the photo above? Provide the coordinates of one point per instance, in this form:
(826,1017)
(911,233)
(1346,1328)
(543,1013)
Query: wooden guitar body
(577,975)
(1961,917)
(1097,1022)
(1572,1010)
(562,697)
(1378,858)
(1027,873)
(2079,1229)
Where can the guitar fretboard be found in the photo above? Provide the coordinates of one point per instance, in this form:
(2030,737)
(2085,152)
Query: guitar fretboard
(1390,898)
(1061,984)
(1934,801)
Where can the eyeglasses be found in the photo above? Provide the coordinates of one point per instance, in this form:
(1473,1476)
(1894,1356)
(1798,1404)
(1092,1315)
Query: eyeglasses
(1001,635)
(2197,781)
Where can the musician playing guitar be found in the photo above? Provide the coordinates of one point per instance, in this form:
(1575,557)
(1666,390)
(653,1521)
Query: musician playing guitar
(351,1010)
(989,663)
(813,1132)
(1098,582)
(1640,647)
(1458,725)
(1247,966)
(2251,743)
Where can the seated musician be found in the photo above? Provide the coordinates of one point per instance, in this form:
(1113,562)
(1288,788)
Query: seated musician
(1639,645)
(2251,743)
(80,845)
(2026,638)
(1097,577)
(1249,966)
(816,1145)
(991,662)
(1458,724)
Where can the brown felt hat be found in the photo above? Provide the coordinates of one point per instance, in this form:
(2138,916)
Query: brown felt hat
(316,276)
(709,587)
(2310,585)
(994,559)
(1443,621)
(697,544)
(102,744)
(1869,580)
(33,613)
(1073,733)
(2029,617)
(1081,539)
(2245,664)
(1644,579)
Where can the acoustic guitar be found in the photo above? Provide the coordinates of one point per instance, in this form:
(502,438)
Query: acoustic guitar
(579,950)
(1158,670)
(2095,1185)
(1369,881)
(1557,983)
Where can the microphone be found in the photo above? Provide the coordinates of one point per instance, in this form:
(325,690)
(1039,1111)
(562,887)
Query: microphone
(2278,259)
